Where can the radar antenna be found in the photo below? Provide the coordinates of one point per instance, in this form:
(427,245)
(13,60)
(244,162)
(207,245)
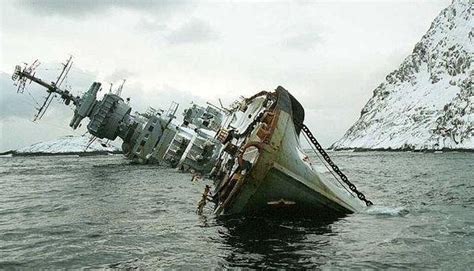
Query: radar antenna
(47,102)
(21,81)
(21,76)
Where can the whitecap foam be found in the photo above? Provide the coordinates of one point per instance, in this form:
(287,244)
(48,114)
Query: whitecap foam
(386,210)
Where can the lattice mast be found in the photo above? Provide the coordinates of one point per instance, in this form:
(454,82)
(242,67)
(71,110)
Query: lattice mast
(28,75)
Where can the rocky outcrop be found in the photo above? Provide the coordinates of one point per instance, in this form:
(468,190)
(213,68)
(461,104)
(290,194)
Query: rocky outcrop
(427,103)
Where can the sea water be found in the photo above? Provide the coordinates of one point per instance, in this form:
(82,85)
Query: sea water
(103,212)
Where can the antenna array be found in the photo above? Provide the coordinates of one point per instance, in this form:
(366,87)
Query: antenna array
(47,102)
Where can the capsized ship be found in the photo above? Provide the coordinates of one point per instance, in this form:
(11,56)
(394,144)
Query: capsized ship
(252,151)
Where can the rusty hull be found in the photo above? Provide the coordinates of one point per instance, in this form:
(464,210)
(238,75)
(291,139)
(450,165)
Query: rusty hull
(270,169)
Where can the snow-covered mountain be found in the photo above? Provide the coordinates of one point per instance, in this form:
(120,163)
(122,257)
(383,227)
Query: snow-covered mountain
(69,145)
(427,103)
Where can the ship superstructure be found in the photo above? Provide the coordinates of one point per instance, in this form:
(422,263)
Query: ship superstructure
(154,136)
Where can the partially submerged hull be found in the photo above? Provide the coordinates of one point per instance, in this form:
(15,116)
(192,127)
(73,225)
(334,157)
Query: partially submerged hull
(272,171)
(251,150)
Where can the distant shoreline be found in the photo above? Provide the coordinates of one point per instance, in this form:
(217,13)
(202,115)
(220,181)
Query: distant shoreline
(402,150)
(92,153)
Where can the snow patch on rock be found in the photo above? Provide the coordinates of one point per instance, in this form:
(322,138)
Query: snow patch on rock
(68,144)
(427,103)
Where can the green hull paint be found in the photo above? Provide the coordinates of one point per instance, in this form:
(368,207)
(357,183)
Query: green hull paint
(281,174)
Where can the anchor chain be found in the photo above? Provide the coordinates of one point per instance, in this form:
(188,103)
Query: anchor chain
(336,169)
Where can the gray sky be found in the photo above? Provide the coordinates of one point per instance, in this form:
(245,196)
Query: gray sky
(329,54)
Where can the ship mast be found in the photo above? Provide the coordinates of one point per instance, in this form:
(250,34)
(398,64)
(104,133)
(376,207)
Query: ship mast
(21,76)
(47,102)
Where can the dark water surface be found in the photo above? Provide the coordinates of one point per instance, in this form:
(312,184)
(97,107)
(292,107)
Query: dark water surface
(58,212)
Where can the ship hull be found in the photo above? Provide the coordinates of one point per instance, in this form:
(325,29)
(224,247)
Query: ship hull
(283,179)
(279,192)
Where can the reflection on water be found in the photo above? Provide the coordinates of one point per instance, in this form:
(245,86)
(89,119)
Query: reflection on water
(280,242)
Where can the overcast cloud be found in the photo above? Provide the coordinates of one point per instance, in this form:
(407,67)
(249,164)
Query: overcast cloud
(330,55)
(194,31)
(77,9)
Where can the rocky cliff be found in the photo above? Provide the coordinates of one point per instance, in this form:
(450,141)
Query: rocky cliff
(427,103)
